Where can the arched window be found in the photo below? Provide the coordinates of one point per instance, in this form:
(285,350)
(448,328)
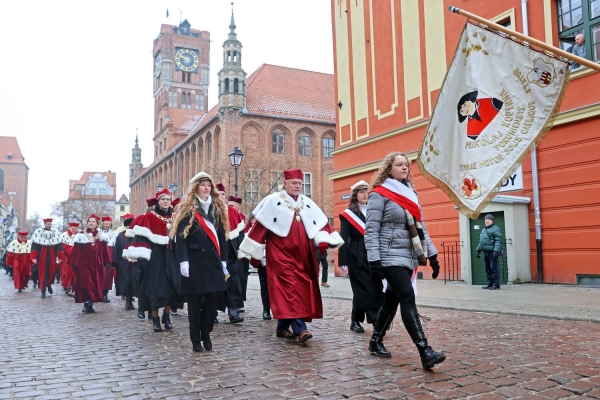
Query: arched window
(278,142)
(304,145)
(236,85)
(1,180)
(209,147)
(226,90)
(328,146)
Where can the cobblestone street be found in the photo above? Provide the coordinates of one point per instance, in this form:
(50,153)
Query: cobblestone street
(51,350)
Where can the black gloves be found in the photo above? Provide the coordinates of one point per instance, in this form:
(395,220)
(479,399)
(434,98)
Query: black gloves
(496,254)
(435,265)
(478,254)
(376,270)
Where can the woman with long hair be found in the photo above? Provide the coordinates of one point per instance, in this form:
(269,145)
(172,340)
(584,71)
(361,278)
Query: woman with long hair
(152,249)
(200,229)
(367,293)
(397,244)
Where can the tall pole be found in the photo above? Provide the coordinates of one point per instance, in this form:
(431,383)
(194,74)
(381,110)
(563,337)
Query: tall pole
(235,181)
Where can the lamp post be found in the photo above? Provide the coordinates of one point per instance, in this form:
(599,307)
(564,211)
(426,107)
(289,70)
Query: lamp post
(159,187)
(173,187)
(235,157)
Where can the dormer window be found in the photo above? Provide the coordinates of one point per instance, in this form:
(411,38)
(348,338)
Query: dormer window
(9,156)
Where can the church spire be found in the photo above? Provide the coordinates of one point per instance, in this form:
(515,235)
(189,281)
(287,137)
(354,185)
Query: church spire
(232,34)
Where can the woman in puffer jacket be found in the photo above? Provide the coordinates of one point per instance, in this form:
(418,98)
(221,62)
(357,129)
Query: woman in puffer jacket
(397,243)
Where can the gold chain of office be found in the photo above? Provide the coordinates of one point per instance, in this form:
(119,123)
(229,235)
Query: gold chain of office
(167,221)
(296,210)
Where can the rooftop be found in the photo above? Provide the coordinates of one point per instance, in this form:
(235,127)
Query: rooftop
(10,152)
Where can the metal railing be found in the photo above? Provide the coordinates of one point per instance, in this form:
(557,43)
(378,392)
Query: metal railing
(451,260)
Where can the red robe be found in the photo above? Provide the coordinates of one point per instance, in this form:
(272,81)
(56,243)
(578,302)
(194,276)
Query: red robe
(292,269)
(18,258)
(90,259)
(46,247)
(66,272)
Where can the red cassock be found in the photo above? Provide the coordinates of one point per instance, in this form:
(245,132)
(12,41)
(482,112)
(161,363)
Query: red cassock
(66,272)
(89,256)
(291,264)
(18,258)
(46,247)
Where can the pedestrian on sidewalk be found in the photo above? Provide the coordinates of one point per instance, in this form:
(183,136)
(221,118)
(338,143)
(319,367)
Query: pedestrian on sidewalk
(152,249)
(322,261)
(490,242)
(287,225)
(397,244)
(89,259)
(200,229)
(367,293)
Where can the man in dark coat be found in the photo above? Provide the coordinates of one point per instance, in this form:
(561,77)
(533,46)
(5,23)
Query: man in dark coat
(124,278)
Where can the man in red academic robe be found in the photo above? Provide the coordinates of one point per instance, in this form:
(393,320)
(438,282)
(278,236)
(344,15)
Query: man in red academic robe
(287,226)
(106,235)
(19,260)
(46,247)
(66,272)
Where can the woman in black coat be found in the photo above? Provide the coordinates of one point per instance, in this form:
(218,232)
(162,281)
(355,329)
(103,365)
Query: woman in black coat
(367,294)
(200,229)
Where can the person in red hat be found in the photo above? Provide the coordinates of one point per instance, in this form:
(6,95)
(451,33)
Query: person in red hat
(124,278)
(89,259)
(46,247)
(19,260)
(287,225)
(66,272)
(152,250)
(107,234)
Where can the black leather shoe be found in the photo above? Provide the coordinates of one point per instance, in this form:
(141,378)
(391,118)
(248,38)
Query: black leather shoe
(88,309)
(486,287)
(381,325)
(352,325)
(174,312)
(197,346)
(156,324)
(206,341)
(495,288)
(166,321)
(50,290)
(141,315)
(241,310)
(43,295)
(105,299)
(266,315)
(358,328)
(20,291)
(236,319)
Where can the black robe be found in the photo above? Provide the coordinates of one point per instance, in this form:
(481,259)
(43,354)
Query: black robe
(124,278)
(368,294)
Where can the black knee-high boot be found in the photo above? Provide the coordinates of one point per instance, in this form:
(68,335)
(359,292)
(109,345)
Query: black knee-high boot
(382,324)
(429,357)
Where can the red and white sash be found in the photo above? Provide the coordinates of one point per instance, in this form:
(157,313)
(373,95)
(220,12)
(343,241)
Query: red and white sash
(210,230)
(354,220)
(402,195)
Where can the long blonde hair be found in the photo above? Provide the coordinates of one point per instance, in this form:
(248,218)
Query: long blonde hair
(384,171)
(188,206)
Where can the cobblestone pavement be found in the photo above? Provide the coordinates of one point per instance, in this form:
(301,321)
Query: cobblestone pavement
(50,350)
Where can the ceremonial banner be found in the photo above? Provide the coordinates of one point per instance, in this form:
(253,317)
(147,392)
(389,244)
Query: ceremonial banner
(498,98)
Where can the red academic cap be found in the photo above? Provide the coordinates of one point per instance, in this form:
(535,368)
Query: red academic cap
(23,233)
(127,216)
(236,199)
(106,218)
(47,220)
(163,192)
(74,224)
(151,201)
(97,218)
(293,174)
(175,202)
(220,187)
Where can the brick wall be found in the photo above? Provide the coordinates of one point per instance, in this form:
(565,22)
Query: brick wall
(16,180)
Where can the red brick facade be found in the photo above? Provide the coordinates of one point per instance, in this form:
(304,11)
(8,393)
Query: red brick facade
(14,177)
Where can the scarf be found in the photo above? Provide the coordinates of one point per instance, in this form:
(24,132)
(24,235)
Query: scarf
(404,196)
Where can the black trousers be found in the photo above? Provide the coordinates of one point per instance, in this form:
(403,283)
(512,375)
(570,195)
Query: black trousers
(264,288)
(399,290)
(201,314)
(324,267)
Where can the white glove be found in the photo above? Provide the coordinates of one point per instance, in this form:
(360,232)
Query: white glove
(225,272)
(263,262)
(344,267)
(184,267)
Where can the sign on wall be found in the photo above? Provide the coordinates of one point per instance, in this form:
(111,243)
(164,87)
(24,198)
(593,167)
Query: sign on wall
(514,182)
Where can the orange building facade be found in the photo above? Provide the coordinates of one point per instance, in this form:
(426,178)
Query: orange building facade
(391,57)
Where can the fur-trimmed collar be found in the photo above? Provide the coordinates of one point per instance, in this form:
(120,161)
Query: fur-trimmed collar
(275,215)
(83,238)
(152,228)
(16,247)
(68,237)
(46,237)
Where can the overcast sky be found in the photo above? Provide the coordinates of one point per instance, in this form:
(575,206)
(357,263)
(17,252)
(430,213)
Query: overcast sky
(76,76)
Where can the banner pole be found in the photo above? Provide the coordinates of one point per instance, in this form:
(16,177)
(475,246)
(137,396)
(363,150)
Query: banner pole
(528,39)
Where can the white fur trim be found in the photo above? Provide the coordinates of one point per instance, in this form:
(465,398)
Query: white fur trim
(18,248)
(236,232)
(124,253)
(104,236)
(67,239)
(129,233)
(332,239)
(241,255)
(81,238)
(40,236)
(252,248)
(138,252)
(147,233)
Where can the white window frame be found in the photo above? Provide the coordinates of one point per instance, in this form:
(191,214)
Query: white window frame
(307,183)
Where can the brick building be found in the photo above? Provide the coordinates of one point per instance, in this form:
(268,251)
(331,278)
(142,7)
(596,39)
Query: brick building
(279,117)
(94,192)
(14,175)
(390,61)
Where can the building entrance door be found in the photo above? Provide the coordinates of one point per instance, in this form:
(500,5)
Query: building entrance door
(479,277)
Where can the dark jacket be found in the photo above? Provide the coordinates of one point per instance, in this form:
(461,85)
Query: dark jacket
(354,243)
(490,239)
(206,271)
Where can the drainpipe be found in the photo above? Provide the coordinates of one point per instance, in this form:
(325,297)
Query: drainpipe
(536,186)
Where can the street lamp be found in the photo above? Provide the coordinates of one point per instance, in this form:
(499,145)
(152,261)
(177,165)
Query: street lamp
(159,187)
(235,157)
(173,187)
